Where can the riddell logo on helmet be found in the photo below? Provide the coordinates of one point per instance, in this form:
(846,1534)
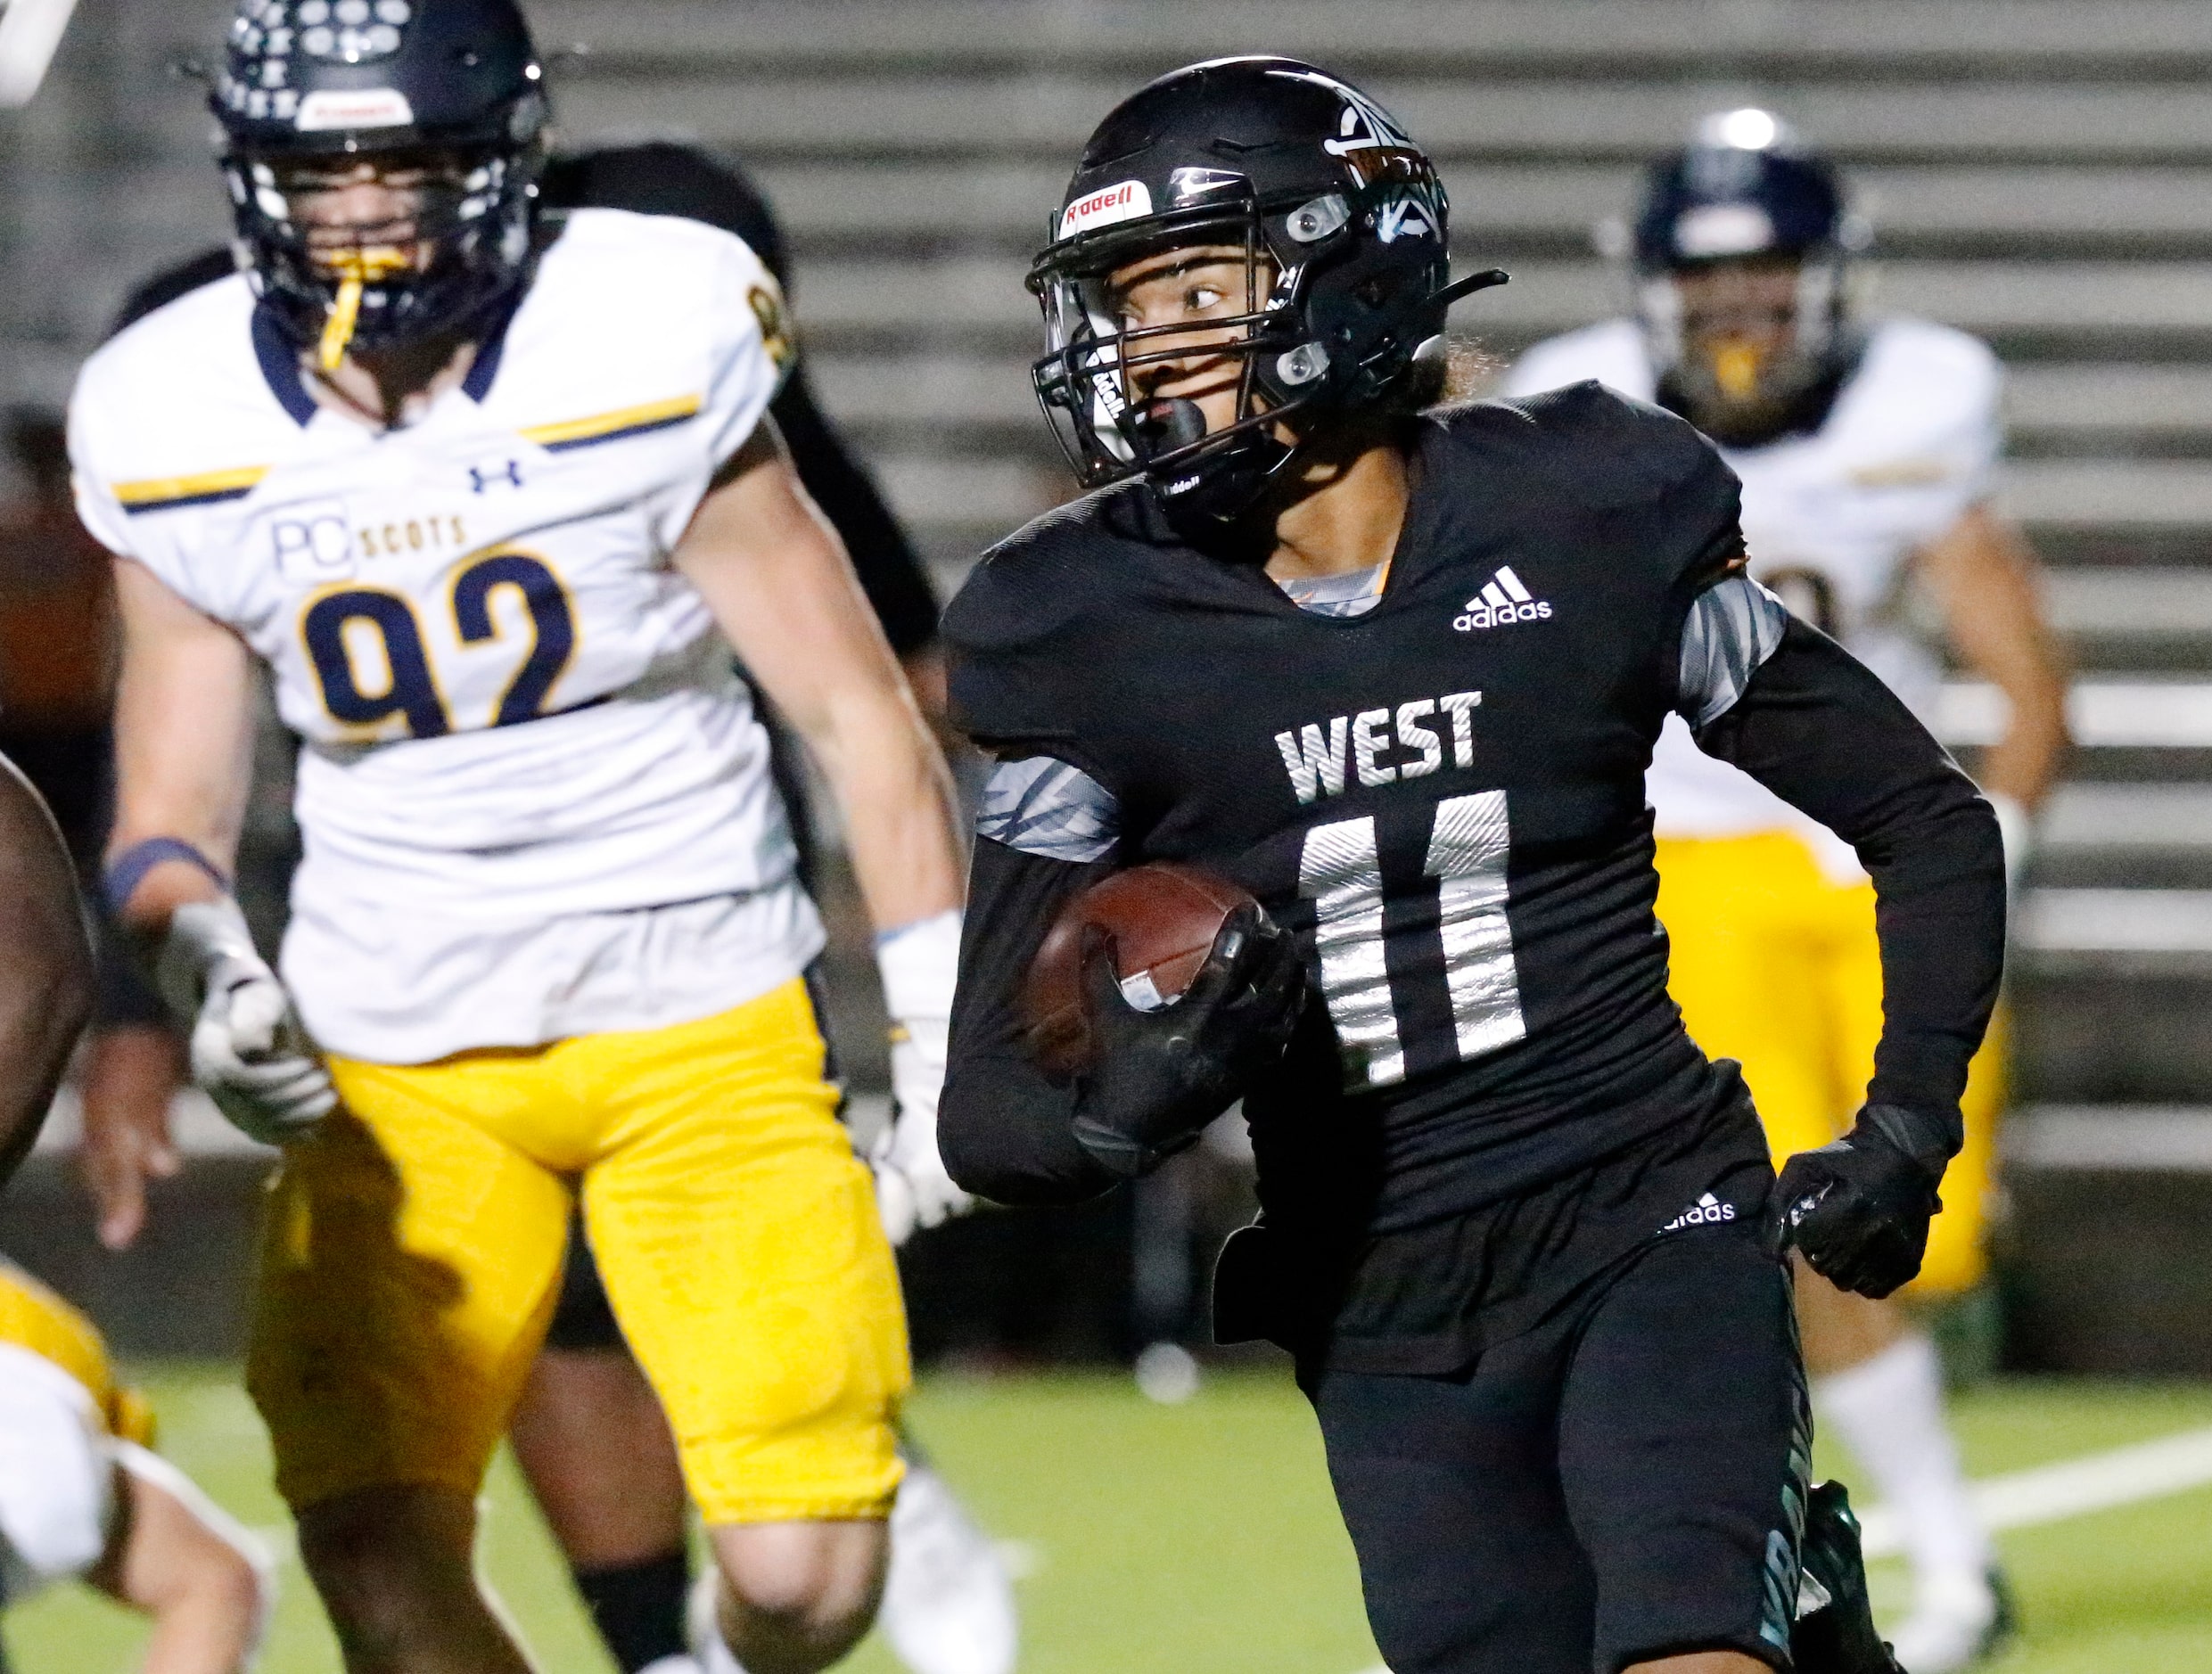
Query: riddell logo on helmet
(1502,602)
(1124,203)
(362,107)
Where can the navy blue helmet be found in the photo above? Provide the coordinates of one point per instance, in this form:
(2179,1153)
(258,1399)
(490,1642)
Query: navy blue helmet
(448,92)
(1342,218)
(1745,190)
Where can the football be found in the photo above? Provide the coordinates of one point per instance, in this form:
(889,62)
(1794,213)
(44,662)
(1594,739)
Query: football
(1162,917)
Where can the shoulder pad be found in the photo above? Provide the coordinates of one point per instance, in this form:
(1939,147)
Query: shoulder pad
(1592,444)
(1018,628)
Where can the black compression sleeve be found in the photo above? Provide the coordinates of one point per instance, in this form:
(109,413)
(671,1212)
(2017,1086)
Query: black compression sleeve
(1008,1133)
(1819,729)
(890,573)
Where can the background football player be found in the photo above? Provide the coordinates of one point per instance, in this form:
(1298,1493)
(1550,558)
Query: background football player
(82,1497)
(1399,674)
(495,499)
(588,1432)
(1865,448)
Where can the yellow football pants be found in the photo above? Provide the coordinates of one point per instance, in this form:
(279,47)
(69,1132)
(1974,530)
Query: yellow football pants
(1777,967)
(412,1254)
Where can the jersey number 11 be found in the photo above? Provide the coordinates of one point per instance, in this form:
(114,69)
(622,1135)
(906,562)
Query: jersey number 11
(1340,871)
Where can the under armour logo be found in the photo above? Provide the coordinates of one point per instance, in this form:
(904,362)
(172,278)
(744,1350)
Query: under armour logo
(481,479)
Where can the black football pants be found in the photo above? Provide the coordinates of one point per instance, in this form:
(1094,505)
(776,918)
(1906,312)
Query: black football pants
(1623,1483)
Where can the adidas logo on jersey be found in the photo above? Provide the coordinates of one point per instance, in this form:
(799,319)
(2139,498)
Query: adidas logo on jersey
(1709,1210)
(1503,600)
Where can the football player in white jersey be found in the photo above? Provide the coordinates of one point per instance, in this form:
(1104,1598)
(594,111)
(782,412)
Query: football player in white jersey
(1865,450)
(494,499)
(84,1497)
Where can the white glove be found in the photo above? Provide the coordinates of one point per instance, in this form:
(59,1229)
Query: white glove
(919,963)
(248,1048)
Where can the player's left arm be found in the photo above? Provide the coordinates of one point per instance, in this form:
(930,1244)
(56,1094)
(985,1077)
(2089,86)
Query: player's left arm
(1794,709)
(46,981)
(776,578)
(1985,578)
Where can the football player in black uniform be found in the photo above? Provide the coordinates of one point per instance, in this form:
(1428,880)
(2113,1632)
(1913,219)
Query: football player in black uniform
(1398,672)
(46,988)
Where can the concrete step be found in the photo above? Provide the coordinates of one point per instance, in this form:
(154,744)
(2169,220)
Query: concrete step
(1869,37)
(1042,113)
(2094,309)
(2129,1138)
(2054,409)
(851,204)
(2101,497)
(2112,405)
(2102,714)
(2126,822)
(2119,1029)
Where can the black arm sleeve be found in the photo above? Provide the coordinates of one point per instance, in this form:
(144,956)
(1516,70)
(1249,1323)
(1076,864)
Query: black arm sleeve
(1823,732)
(1008,1133)
(890,573)
(665,178)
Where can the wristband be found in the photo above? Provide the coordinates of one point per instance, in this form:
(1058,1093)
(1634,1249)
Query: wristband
(1928,1140)
(124,874)
(919,963)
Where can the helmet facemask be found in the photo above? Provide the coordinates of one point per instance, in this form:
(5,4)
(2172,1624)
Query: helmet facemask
(1126,398)
(450,236)
(1744,341)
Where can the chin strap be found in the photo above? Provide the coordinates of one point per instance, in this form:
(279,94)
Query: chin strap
(356,271)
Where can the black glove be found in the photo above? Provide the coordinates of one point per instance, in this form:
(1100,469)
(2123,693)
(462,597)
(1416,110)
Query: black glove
(1858,1210)
(1834,1631)
(1158,1078)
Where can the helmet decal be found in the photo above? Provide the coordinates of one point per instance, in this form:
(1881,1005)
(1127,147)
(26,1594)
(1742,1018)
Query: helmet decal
(1401,217)
(1124,201)
(370,107)
(1711,230)
(1364,126)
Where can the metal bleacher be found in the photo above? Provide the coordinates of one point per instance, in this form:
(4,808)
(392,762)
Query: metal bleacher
(2038,171)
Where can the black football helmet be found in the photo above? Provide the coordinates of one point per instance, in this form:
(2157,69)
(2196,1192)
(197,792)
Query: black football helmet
(452,88)
(1342,221)
(1745,188)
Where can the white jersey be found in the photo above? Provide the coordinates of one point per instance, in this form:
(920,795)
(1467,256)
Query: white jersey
(1831,520)
(533,794)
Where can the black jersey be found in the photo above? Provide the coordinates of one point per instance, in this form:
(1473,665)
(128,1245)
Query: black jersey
(1443,797)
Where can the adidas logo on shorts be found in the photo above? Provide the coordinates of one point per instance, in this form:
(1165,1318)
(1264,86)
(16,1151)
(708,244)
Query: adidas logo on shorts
(1707,1211)
(1502,602)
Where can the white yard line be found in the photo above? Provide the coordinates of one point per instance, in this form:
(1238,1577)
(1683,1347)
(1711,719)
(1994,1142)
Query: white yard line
(2073,1488)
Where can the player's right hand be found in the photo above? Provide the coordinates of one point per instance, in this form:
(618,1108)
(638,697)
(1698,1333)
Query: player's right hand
(1858,1209)
(248,1051)
(1161,1076)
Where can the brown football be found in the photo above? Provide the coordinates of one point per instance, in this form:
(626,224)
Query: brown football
(1162,917)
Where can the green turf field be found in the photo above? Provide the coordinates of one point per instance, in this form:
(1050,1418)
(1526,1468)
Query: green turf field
(1201,1536)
